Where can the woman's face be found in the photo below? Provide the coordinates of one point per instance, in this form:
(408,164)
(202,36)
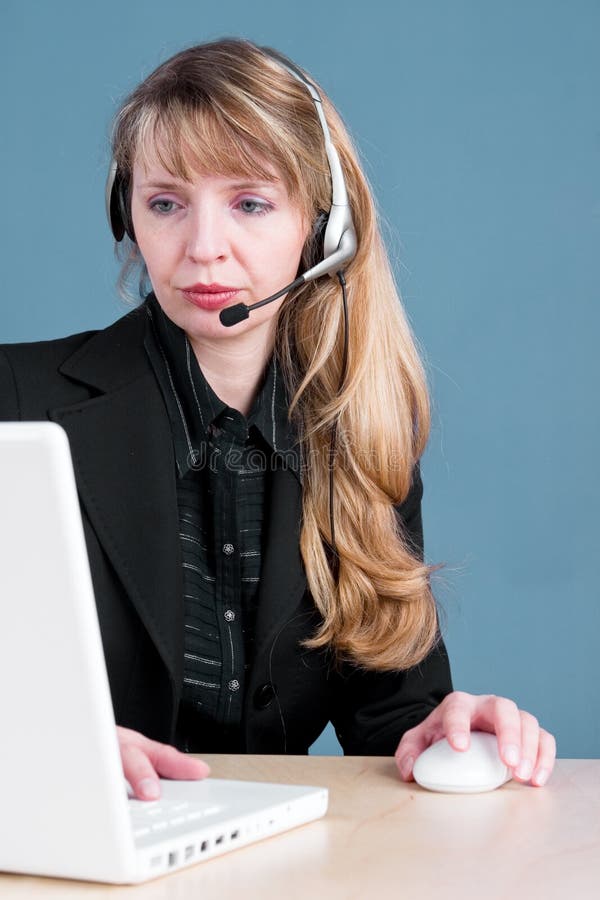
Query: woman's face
(215,242)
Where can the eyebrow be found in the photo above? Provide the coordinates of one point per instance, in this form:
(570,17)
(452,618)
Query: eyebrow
(177,185)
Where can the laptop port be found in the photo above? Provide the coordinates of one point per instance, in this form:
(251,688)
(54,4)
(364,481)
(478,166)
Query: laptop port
(189,851)
(172,859)
(203,846)
(220,839)
(234,835)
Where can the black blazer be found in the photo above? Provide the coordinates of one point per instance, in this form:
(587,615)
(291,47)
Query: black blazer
(100,388)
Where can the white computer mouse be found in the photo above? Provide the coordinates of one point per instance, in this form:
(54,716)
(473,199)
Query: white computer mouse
(441,768)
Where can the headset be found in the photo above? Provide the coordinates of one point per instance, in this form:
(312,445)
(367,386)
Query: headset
(336,226)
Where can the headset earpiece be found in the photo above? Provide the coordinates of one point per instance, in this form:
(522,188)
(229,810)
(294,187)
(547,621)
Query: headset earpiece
(117,204)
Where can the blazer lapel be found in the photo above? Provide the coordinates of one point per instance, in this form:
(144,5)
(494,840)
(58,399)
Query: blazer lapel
(123,457)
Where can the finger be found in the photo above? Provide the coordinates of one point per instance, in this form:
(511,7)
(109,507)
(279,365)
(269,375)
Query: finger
(140,772)
(530,738)
(413,742)
(417,739)
(458,712)
(164,759)
(545,758)
(506,722)
(171,763)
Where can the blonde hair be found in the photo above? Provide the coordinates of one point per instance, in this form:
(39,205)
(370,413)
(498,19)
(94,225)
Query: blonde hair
(226,108)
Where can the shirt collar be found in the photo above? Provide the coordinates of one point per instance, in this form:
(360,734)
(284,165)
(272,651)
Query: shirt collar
(196,412)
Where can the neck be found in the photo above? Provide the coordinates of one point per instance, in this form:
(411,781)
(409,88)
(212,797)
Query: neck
(235,369)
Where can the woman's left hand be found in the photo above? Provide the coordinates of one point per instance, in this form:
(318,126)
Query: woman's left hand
(525,748)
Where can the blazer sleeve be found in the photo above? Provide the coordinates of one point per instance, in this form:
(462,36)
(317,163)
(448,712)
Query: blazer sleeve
(408,514)
(372,710)
(9,399)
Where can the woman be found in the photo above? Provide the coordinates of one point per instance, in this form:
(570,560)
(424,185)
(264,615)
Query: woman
(251,491)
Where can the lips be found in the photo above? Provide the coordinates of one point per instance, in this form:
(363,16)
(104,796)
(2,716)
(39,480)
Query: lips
(209,296)
(213,288)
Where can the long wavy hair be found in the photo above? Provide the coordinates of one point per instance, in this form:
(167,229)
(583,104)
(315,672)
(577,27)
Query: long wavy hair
(227,108)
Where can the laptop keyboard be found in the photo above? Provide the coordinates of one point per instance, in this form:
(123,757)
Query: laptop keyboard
(155,816)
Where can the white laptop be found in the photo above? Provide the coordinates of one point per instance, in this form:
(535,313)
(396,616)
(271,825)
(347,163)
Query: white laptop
(64,808)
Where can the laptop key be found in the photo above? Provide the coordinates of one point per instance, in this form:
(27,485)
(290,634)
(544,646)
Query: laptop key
(196,814)
(212,810)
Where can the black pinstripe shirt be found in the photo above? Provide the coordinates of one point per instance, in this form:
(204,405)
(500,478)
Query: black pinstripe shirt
(224,460)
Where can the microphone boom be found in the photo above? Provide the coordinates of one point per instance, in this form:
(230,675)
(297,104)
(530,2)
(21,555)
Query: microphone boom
(231,315)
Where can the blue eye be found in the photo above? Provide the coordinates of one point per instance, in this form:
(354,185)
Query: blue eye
(159,206)
(254,207)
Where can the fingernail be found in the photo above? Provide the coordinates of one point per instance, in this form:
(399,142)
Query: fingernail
(460,740)
(524,770)
(511,754)
(149,788)
(406,766)
(541,776)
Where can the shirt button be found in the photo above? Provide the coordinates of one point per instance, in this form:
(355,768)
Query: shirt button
(229,615)
(233,685)
(228,549)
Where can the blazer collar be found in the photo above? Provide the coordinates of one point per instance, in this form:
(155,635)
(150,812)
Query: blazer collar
(113,357)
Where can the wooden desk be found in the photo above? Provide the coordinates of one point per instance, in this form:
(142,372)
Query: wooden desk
(382,838)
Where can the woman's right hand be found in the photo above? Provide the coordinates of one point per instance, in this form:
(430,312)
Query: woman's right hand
(144,761)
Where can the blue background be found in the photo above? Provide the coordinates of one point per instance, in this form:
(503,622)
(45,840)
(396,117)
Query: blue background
(479,127)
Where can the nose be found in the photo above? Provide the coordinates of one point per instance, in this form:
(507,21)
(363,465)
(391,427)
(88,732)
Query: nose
(207,238)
